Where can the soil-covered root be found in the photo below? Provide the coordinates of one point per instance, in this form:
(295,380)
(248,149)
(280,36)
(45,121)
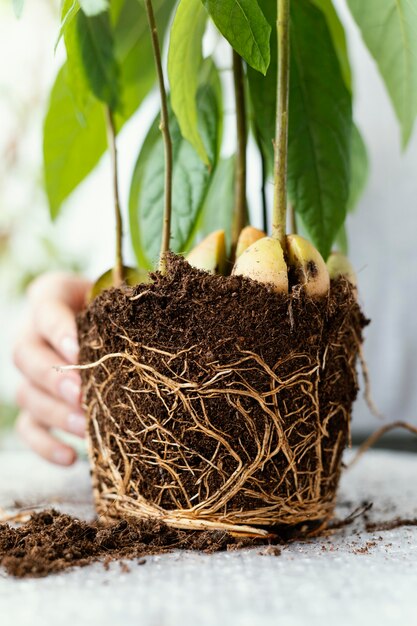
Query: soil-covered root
(216,403)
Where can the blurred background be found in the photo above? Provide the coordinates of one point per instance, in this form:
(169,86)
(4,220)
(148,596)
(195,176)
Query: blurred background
(382,231)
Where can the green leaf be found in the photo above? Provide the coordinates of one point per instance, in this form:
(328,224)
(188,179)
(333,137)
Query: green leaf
(389,30)
(18,7)
(94,7)
(210,99)
(338,36)
(320,127)
(263,91)
(341,241)
(359,168)
(96,49)
(116,7)
(149,145)
(263,88)
(320,122)
(75,73)
(69,10)
(75,123)
(184,63)
(244,26)
(133,49)
(191,180)
(218,208)
(71,146)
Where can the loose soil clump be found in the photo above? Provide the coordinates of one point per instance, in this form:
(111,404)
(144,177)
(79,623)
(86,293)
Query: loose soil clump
(51,542)
(215,403)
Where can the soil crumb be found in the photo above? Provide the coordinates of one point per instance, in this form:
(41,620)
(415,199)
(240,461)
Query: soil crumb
(365,549)
(271,551)
(51,542)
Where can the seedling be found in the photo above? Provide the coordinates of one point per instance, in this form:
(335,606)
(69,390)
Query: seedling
(308,266)
(339,265)
(264,262)
(248,236)
(210,254)
(223,400)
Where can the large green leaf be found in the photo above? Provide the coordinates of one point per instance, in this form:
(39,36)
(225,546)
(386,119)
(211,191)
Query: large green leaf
(191,181)
(116,8)
(338,36)
(72,145)
(75,123)
(320,122)
(218,208)
(320,128)
(69,10)
(263,88)
(244,25)
(263,91)
(76,76)
(96,50)
(94,7)
(359,168)
(359,172)
(134,52)
(389,29)
(184,63)
(209,100)
(341,241)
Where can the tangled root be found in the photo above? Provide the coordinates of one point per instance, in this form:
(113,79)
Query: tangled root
(234,431)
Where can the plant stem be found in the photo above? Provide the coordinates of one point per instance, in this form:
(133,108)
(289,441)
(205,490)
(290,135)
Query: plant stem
(118,270)
(240,208)
(263,190)
(279,216)
(164,127)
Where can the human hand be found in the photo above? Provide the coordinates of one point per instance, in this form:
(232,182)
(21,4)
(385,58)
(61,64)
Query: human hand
(50,399)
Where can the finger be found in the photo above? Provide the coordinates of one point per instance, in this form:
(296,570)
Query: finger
(68,288)
(38,363)
(54,321)
(48,412)
(55,298)
(42,442)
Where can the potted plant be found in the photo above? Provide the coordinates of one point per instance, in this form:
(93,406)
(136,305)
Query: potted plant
(218,387)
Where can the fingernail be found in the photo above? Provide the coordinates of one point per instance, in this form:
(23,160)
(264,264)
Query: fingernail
(70,348)
(76,424)
(62,456)
(70,391)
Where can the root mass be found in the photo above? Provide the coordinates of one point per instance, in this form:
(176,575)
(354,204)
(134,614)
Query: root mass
(215,403)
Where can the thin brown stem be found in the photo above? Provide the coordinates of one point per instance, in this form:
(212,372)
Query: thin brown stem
(279,217)
(164,127)
(118,270)
(240,208)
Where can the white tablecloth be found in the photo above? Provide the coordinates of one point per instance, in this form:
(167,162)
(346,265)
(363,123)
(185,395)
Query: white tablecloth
(351,578)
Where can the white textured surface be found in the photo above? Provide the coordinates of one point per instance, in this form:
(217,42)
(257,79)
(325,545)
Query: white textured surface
(327,580)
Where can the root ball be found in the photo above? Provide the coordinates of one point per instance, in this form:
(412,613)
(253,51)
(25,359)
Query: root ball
(215,403)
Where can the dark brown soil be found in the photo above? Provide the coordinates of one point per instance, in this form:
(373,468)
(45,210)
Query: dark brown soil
(52,542)
(187,326)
